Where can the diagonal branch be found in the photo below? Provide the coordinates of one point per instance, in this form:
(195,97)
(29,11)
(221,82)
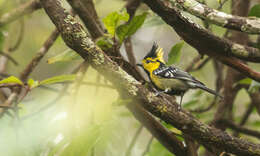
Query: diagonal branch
(30,67)
(76,38)
(249,25)
(240,129)
(20,11)
(88,19)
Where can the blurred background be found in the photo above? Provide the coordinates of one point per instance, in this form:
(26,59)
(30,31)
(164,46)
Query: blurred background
(91,120)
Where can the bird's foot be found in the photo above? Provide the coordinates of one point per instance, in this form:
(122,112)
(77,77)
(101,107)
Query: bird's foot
(157,93)
(179,107)
(160,92)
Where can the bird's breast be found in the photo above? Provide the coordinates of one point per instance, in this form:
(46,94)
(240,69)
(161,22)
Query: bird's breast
(170,84)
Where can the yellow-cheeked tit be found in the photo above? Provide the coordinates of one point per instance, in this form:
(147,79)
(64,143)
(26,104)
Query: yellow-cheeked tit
(169,79)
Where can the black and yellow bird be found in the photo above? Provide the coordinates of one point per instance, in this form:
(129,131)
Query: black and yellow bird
(169,79)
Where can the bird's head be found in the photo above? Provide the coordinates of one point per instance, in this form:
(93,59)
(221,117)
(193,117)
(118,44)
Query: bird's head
(153,59)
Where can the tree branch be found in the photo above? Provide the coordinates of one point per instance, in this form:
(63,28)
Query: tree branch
(39,55)
(76,38)
(20,11)
(249,25)
(164,136)
(133,141)
(240,129)
(27,71)
(88,19)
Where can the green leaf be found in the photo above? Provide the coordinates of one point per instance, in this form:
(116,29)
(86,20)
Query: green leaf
(175,54)
(171,128)
(254,87)
(112,20)
(128,29)
(246,81)
(104,42)
(32,84)
(11,79)
(219,1)
(153,21)
(67,55)
(58,79)
(255,123)
(255,11)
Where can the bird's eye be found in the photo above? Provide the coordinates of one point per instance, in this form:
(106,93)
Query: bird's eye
(148,61)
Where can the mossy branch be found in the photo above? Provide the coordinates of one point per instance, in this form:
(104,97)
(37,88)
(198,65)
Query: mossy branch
(249,25)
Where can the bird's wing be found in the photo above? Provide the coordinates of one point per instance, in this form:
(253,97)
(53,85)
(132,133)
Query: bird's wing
(175,73)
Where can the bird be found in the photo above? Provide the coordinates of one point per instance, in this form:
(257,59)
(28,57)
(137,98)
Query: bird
(169,79)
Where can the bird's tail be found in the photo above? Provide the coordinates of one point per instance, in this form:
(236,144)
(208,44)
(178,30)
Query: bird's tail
(209,90)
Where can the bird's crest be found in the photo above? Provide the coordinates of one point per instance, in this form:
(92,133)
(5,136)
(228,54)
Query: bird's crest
(155,52)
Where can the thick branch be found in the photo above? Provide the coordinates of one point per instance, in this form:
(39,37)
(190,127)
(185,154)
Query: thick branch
(169,140)
(249,25)
(240,129)
(77,39)
(87,17)
(20,11)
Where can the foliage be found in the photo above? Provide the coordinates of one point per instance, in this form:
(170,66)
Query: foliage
(32,83)
(255,11)
(11,80)
(125,30)
(122,31)
(254,86)
(112,20)
(174,55)
(57,79)
(67,55)
(104,42)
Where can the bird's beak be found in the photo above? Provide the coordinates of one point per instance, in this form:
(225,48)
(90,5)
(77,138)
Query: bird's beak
(140,65)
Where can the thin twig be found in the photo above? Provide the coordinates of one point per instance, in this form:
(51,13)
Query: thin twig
(9,85)
(221,4)
(240,129)
(133,142)
(39,55)
(245,117)
(9,57)
(20,11)
(193,62)
(30,67)
(20,36)
(147,149)
(247,114)
(203,110)
(202,64)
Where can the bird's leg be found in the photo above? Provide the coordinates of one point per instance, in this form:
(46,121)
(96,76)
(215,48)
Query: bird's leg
(160,92)
(179,106)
